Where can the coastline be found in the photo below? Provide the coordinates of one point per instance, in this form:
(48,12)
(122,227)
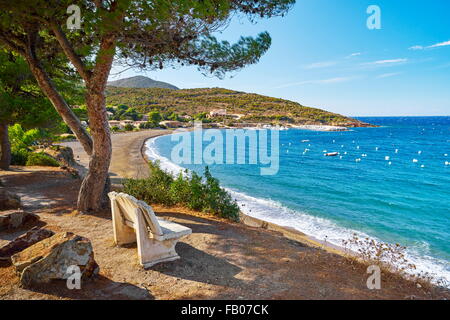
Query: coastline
(219,260)
(135,166)
(288,232)
(425,264)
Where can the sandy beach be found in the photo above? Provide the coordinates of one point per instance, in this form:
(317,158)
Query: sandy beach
(220,260)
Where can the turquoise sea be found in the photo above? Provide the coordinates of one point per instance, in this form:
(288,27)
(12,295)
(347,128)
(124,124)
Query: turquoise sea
(390,183)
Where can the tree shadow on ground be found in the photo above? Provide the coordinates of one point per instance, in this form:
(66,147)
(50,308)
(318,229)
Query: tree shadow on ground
(199,266)
(12,234)
(99,288)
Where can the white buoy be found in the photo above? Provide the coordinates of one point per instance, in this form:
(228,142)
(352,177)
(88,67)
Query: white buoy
(396,150)
(447,163)
(419,152)
(387,158)
(376,148)
(422,166)
(390,162)
(358,160)
(415,160)
(357,147)
(445,155)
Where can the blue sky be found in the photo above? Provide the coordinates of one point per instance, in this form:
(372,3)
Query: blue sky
(323,55)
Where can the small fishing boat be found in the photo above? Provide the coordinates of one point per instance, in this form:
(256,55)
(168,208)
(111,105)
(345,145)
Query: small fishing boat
(332,154)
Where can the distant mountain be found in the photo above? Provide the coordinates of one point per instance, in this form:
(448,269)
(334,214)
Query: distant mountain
(140,82)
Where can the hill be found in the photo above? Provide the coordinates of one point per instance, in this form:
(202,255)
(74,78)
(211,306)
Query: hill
(141,82)
(252,107)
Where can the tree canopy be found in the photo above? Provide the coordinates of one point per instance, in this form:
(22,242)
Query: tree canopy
(144,34)
(149,34)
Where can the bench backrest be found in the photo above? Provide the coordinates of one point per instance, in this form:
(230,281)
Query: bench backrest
(128,204)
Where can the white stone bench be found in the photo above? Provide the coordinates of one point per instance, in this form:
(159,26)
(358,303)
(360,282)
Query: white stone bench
(135,221)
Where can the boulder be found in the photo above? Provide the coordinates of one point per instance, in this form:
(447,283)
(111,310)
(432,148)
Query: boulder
(24,241)
(13,219)
(50,258)
(8,200)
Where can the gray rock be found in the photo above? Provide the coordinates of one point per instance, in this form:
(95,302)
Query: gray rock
(13,219)
(50,258)
(24,241)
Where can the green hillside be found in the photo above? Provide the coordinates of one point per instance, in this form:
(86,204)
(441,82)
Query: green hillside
(253,107)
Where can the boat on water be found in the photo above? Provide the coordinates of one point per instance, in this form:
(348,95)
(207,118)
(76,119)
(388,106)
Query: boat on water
(332,154)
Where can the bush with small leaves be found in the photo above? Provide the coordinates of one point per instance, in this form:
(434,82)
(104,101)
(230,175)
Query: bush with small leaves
(187,189)
(41,159)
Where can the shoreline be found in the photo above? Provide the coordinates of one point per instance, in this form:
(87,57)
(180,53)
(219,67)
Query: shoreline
(219,260)
(313,241)
(246,255)
(134,165)
(288,232)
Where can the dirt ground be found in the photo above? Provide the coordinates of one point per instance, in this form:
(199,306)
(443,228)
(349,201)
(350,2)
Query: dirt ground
(220,260)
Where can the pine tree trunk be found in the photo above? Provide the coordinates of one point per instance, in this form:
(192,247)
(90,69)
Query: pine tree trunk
(95,186)
(58,102)
(5,147)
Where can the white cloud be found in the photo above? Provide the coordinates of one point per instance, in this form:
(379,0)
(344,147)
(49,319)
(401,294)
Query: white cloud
(323,64)
(388,75)
(441,44)
(323,81)
(416,48)
(437,45)
(384,62)
(354,54)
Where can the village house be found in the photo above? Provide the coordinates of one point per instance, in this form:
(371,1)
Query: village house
(218,113)
(115,123)
(171,124)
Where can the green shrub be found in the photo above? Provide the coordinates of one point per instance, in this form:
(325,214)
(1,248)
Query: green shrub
(19,156)
(41,159)
(191,191)
(128,127)
(21,139)
(155,189)
(148,125)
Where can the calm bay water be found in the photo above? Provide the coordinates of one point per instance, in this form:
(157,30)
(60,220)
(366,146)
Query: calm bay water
(389,183)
